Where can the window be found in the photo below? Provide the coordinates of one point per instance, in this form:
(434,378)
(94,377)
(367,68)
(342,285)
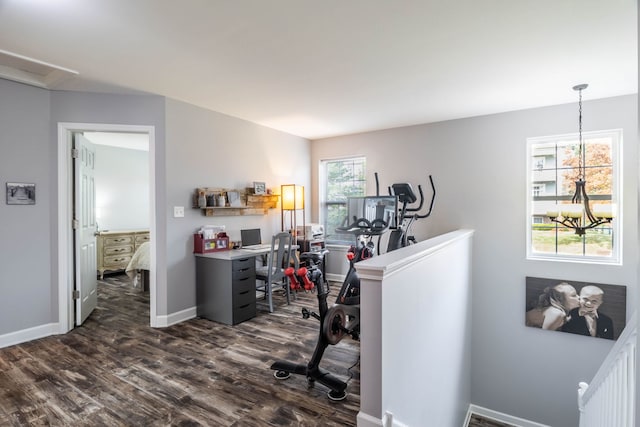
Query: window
(538,189)
(552,166)
(339,179)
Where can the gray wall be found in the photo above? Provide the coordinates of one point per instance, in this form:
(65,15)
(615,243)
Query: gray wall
(25,263)
(516,370)
(205,149)
(81,107)
(122,188)
(209,149)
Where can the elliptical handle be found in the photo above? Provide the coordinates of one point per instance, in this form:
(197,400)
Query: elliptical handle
(433,199)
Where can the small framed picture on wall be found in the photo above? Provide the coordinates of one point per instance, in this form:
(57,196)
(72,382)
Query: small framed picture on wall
(21,193)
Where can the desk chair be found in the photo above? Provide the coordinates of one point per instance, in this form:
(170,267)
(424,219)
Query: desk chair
(272,274)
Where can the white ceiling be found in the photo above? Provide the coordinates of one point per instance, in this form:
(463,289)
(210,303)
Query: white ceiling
(323,68)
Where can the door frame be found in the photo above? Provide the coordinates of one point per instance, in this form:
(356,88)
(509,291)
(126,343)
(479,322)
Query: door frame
(66,320)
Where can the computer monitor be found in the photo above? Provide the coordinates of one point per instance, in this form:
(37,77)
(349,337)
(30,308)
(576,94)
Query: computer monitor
(250,236)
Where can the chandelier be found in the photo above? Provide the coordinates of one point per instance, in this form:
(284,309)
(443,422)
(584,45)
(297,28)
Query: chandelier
(578,215)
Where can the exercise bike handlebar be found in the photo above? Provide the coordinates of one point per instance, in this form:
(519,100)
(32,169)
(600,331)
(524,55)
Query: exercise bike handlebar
(362,226)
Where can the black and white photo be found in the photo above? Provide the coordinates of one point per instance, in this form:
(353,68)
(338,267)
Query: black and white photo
(590,309)
(259,187)
(20,193)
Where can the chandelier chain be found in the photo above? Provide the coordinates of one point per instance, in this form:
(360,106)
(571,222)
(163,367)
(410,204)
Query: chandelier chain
(581,148)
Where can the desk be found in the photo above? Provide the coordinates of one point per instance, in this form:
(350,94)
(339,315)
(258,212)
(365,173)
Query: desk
(226,285)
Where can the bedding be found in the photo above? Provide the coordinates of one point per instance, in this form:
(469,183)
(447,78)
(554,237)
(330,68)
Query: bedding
(140,262)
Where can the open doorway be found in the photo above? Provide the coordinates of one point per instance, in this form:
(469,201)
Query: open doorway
(66,235)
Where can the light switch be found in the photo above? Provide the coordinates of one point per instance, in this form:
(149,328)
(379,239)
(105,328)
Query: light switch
(178,211)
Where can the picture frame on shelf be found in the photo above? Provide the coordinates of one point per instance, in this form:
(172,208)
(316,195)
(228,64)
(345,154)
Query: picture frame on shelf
(233,197)
(259,187)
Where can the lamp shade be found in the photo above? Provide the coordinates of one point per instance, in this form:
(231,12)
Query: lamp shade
(292,197)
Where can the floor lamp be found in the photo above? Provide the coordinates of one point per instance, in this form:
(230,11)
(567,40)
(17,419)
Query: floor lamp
(292,200)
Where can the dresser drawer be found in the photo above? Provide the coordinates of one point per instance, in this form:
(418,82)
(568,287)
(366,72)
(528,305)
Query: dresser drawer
(141,238)
(118,240)
(118,250)
(118,261)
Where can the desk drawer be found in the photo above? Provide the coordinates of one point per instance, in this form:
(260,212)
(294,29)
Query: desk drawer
(243,263)
(242,275)
(245,312)
(243,297)
(244,284)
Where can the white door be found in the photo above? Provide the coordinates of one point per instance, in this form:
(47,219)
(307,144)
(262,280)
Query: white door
(86,282)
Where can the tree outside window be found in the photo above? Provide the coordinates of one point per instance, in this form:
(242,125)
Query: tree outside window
(342,178)
(554,183)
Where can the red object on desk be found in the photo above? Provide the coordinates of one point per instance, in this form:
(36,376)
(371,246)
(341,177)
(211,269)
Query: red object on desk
(203,246)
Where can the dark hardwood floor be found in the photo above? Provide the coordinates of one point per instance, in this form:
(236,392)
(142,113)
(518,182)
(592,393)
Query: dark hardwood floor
(115,370)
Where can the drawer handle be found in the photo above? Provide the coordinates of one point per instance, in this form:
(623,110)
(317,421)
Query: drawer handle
(243,293)
(244,269)
(243,279)
(244,259)
(245,306)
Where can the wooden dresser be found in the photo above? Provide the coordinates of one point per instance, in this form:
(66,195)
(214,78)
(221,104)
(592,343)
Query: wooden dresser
(115,248)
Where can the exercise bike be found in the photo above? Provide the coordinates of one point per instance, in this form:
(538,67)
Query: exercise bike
(343,317)
(337,321)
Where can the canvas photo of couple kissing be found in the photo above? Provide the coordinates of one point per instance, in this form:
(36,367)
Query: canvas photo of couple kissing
(589,309)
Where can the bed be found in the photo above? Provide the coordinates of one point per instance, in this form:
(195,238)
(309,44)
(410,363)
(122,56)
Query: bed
(138,267)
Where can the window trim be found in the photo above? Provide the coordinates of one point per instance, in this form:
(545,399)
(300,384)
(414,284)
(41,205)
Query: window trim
(617,198)
(322,191)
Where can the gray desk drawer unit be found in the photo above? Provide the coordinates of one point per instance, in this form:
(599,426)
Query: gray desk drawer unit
(226,289)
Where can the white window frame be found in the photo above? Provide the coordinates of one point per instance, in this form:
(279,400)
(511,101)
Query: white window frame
(322,187)
(616,225)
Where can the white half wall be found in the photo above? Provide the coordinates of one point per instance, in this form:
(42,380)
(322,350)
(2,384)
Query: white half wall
(415,312)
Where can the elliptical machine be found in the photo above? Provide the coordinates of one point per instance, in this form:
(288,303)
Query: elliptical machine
(407,215)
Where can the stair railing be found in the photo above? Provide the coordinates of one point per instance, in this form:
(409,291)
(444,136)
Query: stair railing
(610,399)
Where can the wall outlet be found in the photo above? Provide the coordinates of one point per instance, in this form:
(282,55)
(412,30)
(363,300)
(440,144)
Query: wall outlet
(178,211)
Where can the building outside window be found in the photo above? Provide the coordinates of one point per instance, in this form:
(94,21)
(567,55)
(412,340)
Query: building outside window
(553,169)
(339,179)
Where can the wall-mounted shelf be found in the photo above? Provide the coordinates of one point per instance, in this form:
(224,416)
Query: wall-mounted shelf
(236,202)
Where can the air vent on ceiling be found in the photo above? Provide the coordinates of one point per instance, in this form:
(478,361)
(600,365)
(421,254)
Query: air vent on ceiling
(31,71)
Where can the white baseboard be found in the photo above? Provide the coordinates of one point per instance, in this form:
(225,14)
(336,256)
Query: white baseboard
(29,334)
(366,420)
(499,416)
(173,318)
